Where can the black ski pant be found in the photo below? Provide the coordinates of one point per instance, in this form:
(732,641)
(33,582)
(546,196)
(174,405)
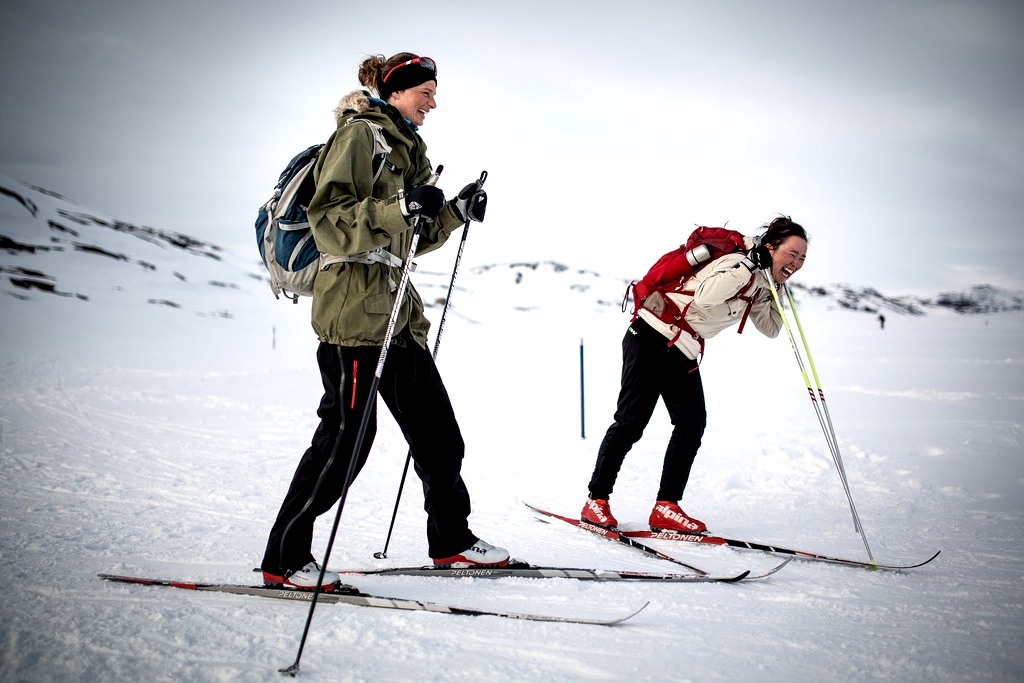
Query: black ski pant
(652,370)
(411,388)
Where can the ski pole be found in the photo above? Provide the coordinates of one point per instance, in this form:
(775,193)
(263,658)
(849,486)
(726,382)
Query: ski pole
(371,404)
(814,372)
(823,419)
(831,432)
(827,427)
(807,382)
(437,343)
(829,436)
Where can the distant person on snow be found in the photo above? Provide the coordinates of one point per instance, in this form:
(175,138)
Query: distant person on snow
(881,321)
(652,369)
(364,221)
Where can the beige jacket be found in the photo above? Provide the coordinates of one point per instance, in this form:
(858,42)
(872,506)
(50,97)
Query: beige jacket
(715,305)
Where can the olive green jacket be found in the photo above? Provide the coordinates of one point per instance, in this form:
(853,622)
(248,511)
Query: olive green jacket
(351,214)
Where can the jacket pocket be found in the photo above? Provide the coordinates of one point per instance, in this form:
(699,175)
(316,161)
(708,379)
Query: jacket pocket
(380,304)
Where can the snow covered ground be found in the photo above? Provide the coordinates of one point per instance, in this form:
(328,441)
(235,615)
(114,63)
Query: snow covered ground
(147,439)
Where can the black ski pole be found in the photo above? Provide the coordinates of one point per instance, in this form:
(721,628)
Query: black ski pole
(437,343)
(371,403)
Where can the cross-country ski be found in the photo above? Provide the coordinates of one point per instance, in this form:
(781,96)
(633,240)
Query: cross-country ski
(365,600)
(627,537)
(773,549)
(535,572)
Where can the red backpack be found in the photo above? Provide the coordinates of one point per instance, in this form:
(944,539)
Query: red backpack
(670,273)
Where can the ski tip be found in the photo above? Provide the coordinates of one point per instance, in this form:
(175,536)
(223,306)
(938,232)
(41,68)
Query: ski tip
(780,565)
(877,566)
(748,575)
(638,611)
(910,566)
(773,570)
(616,620)
(739,577)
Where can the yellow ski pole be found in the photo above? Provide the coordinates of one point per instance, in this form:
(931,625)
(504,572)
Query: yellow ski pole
(814,372)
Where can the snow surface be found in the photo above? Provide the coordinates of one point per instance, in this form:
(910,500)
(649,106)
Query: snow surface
(146,439)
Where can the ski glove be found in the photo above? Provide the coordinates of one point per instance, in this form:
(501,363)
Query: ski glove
(471,202)
(424,201)
(758,258)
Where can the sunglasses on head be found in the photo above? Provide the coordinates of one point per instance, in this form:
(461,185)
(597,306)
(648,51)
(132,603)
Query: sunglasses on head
(425,62)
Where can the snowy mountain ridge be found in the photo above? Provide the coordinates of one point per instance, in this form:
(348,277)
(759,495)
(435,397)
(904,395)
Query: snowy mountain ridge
(49,245)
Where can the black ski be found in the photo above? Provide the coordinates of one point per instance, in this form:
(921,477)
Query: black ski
(773,549)
(364,600)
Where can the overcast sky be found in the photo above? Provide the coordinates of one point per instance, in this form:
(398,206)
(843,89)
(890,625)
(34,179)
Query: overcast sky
(893,130)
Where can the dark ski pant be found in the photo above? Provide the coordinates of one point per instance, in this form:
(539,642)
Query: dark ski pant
(652,370)
(411,388)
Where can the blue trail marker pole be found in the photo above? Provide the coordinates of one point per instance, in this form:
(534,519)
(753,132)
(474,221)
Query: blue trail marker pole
(583,430)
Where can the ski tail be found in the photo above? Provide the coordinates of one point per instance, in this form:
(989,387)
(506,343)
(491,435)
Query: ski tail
(613,534)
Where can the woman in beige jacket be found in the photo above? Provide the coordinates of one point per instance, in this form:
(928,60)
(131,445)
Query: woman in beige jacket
(729,290)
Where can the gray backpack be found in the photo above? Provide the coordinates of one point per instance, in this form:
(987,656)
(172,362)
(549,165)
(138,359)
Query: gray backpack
(283,234)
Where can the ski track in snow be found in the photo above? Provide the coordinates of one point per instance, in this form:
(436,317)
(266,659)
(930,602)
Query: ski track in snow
(156,442)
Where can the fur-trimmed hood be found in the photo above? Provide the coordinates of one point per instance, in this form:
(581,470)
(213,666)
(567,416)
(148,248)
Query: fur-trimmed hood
(357,101)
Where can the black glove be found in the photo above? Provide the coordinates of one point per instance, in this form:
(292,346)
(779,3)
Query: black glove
(471,202)
(759,258)
(424,201)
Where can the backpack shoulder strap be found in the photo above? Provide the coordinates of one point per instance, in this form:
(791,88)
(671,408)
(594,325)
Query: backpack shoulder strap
(742,296)
(381,148)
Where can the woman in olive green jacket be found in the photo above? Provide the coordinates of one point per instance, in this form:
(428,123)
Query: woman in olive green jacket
(362,218)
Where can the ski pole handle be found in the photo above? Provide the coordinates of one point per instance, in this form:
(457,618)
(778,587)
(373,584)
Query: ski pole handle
(416,217)
(432,181)
(437,174)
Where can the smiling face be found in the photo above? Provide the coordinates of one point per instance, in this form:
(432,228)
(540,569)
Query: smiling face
(415,102)
(788,257)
